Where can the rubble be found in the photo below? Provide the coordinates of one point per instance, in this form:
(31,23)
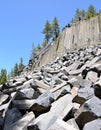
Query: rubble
(62,95)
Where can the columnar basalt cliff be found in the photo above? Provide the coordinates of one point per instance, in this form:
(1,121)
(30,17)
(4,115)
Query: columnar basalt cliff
(80,34)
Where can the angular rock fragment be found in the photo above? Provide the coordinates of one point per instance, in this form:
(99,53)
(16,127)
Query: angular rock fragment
(46,120)
(89,111)
(84,94)
(3,98)
(43,102)
(61,92)
(97,90)
(41,85)
(93,76)
(11,117)
(22,123)
(28,92)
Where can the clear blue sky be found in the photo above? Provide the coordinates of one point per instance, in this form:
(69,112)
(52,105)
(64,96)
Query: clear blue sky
(22,21)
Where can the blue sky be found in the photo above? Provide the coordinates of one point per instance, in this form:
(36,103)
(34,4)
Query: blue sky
(22,21)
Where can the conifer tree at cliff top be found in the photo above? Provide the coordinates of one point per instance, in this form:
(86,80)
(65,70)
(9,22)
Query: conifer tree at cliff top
(47,31)
(55,28)
(91,12)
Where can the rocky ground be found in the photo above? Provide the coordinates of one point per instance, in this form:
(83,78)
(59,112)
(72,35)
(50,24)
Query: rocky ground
(62,95)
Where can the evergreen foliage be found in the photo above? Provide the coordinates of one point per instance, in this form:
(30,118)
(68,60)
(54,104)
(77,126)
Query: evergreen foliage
(16,69)
(21,64)
(35,51)
(91,12)
(47,31)
(82,14)
(55,28)
(3,76)
(79,14)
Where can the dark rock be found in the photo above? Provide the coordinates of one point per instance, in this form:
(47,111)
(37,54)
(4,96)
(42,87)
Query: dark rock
(22,123)
(12,116)
(84,73)
(97,90)
(33,127)
(1,122)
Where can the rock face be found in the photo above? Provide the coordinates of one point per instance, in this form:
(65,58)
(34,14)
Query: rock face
(71,38)
(62,95)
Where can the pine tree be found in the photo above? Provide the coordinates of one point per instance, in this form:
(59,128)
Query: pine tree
(55,28)
(47,31)
(38,47)
(21,64)
(16,70)
(78,14)
(83,14)
(44,43)
(3,76)
(91,12)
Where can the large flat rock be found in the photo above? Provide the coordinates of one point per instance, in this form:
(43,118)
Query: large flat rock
(45,121)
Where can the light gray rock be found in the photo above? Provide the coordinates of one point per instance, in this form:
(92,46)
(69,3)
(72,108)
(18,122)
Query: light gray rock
(85,83)
(63,91)
(28,92)
(62,125)
(41,84)
(84,94)
(64,77)
(89,111)
(93,76)
(46,120)
(93,125)
(28,83)
(4,98)
(73,123)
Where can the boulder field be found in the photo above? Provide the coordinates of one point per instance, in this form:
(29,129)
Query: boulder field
(61,95)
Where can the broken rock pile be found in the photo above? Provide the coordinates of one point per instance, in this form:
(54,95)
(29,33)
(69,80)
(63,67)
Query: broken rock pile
(62,95)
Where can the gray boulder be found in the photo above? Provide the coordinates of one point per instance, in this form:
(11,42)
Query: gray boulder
(59,109)
(4,98)
(22,123)
(12,116)
(93,125)
(83,95)
(89,111)
(43,102)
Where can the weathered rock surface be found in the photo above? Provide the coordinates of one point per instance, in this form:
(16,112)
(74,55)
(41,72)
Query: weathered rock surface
(93,125)
(89,111)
